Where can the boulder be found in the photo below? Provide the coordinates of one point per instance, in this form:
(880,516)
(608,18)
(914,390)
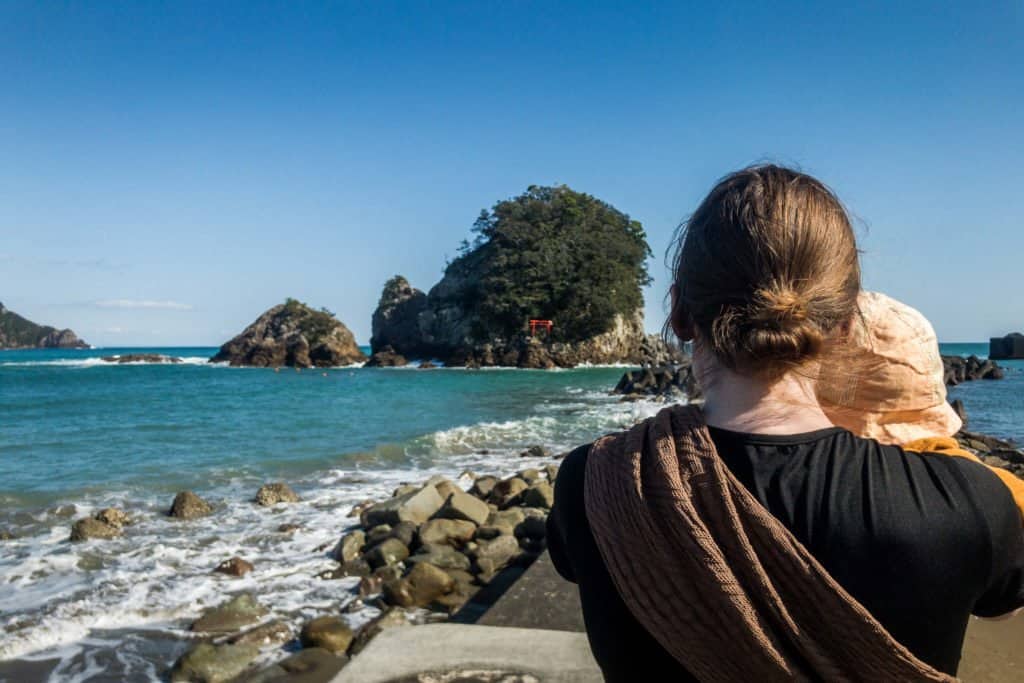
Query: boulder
(422,585)
(357,567)
(377,534)
(416,507)
(272,494)
(387,552)
(349,546)
(188,505)
(392,617)
(453,532)
(386,358)
(6,535)
(540,494)
(312,665)
(443,556)
(406,532)
(461,505)
(374,583)
(235,566)
(271,633)
(507,491)
(113,516)
(330,633)
(90,527)
(536,452)
(491,556)
(483,486)
(238,612)
(208,663)
(292,334)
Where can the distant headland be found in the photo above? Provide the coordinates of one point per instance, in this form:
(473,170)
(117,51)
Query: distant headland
(18,333)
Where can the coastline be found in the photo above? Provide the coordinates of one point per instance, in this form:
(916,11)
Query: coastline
(557,409)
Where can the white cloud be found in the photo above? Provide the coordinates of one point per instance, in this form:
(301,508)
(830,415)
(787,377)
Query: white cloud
(143,303)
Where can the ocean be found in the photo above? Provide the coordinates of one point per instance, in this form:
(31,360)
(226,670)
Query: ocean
(78,434)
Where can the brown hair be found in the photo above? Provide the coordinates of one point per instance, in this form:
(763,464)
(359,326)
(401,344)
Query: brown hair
(766,270)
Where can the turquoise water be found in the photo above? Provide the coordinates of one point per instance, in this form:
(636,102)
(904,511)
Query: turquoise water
(77,434)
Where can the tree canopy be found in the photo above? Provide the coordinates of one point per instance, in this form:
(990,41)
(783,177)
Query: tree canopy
(556,254)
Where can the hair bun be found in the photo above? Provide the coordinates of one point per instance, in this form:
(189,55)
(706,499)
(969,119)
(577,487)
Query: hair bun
(781,304)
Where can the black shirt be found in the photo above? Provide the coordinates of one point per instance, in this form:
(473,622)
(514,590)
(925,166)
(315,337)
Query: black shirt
(921,540)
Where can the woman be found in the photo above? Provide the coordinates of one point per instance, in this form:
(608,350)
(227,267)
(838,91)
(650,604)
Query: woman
(754,540)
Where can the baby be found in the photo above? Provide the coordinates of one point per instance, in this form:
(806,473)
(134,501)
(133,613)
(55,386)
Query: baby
(888,384)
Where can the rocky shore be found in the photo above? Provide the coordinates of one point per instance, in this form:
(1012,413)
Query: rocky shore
(416,557)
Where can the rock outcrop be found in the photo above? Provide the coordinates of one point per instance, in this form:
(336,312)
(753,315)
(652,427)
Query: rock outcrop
(1006,348)
(410,324)
(18,333)
(667,382)
(551,255)
(292,334)
(959,369)
(156,358)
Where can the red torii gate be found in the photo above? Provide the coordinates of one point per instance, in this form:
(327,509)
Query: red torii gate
(536,323)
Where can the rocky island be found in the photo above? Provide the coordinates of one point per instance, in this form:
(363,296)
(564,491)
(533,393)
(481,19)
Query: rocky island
(573,264)
(292,334)
(18,333)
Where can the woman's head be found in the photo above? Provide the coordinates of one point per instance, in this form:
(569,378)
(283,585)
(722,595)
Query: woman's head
(766,271)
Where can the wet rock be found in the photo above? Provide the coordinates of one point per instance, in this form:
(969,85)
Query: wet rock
(115,517)
(330,633)
(416,507)
(272,494)
(6,535)
(388,551)
(530,476)
(442,556)
(483,486)
(358,508)
(551,470)
(406,532)
(141,358)
(453,532)
(461,505)
(506,492)
(427,365)
(271,633)
(386,358)
(236,566)
(188,505)
(207,663)
(312,665)
(393,617)
(405,489)
(540,495)
(377,534)
(349,546)
(89,528)
(374,583)
(288,528)
(238,612)
(358,567)
(536,452)
(422,585)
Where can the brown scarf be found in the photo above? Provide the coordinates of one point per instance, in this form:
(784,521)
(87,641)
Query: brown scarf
(714,577)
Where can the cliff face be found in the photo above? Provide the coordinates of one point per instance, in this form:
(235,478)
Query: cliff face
(18,333)
(292,334)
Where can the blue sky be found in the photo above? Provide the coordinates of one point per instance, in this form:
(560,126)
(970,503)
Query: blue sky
(172,169)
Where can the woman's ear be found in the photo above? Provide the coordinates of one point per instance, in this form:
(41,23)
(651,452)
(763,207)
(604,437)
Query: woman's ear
(679,318)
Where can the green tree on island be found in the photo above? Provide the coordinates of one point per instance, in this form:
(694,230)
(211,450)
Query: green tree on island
(556,254)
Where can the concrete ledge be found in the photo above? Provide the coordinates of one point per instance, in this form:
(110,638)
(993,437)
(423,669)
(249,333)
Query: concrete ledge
(398,655)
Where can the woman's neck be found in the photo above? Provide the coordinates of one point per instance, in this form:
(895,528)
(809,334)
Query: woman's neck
(746,404)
